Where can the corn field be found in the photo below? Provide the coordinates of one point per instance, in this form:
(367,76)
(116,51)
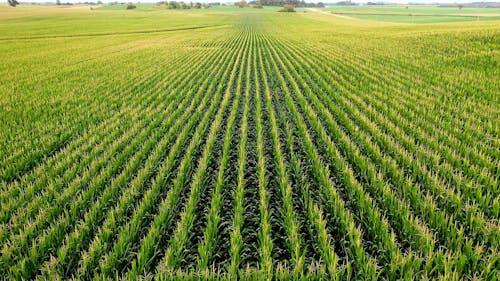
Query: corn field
(252,146)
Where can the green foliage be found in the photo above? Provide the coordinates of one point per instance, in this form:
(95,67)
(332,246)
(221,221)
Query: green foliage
(241,4)
(13,3)
(287,9)
(222,146)
(182,5)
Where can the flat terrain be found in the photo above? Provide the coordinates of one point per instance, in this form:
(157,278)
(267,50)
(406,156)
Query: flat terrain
(416,13)
(211,144)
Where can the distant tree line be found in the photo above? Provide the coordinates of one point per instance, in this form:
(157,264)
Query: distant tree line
(252,4)
(295,3)
(14,3)
(345,3)
(183,5)
(279,3)
(350,3)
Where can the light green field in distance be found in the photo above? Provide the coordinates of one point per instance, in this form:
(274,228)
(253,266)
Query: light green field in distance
(110,7)
(39,21)
(421,18)
(416,13)
(207,145)
(224,8)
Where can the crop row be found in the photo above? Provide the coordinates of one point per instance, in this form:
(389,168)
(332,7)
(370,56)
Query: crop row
(254,154)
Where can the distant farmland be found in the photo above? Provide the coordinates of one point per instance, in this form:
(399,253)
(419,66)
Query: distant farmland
(248,144)
(416,13)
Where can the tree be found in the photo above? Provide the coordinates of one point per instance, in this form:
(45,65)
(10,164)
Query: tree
(58,2)
(13,3)
(173,5)
(288,9)
(242,4)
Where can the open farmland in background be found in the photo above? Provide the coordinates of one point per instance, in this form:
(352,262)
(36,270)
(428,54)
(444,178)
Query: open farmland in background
(225,144)
(416,13)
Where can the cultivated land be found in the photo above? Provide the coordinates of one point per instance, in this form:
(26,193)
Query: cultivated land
(224,143)
(416,14)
